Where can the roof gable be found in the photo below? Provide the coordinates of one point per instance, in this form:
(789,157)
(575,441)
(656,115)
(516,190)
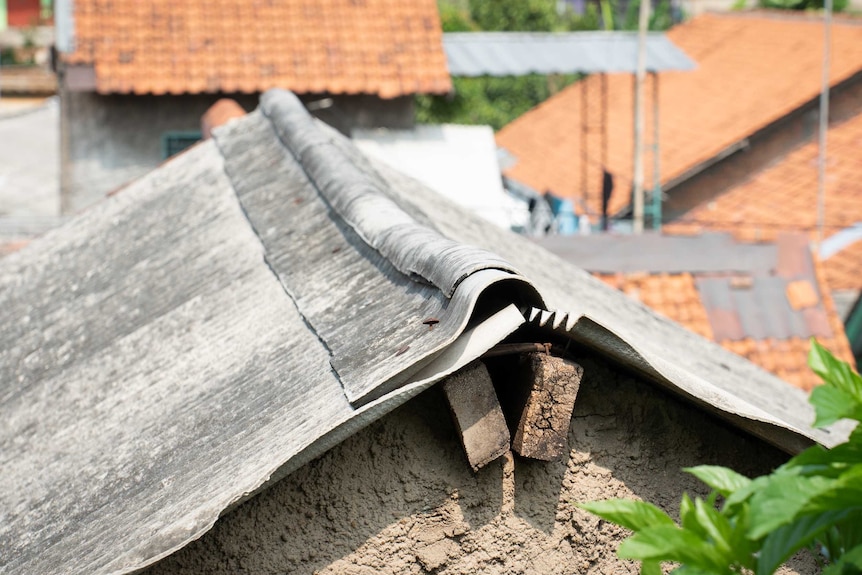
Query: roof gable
(199,335)
(385,47)
(752,69)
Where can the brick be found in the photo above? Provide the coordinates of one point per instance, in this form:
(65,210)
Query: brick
(477,414)
(544,423)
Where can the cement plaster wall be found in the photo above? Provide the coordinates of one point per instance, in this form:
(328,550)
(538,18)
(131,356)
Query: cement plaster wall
(399,497)
(107,141)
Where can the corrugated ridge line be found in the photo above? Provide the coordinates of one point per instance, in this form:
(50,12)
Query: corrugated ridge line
(413,249)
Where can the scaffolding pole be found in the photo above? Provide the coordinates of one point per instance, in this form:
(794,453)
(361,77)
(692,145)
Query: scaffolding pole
(824,123)
(656,157)
(643,20)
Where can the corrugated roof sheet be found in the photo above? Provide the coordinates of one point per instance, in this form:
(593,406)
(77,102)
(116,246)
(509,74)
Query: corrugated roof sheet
(655,253)
(389,48)
(752,69)
(253,302)
(722,289)
(519,53)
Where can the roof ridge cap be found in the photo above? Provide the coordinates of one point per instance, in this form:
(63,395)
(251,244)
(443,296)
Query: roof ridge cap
(414,249)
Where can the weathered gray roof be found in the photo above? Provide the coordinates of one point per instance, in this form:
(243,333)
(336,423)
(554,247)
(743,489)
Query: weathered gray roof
(758,307)
(519,53)
(252,303)
(656,253)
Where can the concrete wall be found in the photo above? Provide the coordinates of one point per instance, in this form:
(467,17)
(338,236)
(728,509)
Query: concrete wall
(763,148)
(399,497)
(109,140)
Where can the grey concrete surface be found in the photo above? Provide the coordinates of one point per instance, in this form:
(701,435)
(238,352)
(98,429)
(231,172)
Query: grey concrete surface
(29,164)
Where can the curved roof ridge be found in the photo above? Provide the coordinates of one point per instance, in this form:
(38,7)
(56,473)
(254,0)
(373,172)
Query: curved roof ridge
(414,249)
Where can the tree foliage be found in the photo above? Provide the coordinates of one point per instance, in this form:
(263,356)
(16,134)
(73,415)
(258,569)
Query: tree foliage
(813,501)
(498,101)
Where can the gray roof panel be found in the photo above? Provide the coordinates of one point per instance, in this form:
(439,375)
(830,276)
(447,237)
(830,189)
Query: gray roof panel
(655,253)
(520,53)
(177,347)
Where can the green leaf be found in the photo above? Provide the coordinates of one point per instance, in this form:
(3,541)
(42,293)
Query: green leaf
(651,568)
(688,519)
(664,543)
(849,564)
(841,395)
(782,543)
(850,530)
(845,492)
(715,524)
(722,479)
(634,515)
(781,499)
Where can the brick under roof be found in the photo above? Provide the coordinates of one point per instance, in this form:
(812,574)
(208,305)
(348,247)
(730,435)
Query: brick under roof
(752,70)
(783,197)
(385,47)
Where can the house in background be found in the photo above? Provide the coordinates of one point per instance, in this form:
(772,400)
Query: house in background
(783,198)
(141,73)
(245,419)
(25,13)
(459,162)
(752,98)
(762,301)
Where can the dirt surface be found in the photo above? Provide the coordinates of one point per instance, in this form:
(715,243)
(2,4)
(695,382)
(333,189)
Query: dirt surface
(399,497)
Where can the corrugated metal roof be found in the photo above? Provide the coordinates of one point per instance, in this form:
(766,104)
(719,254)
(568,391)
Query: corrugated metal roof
(656,253)
(742,286)
(519,53)
(252,303)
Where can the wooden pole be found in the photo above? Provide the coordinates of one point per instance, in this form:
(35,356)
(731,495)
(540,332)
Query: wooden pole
(824,123)
(643,21)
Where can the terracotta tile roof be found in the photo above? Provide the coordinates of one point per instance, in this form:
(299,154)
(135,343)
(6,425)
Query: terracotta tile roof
(385,47)
(783,197)
(752,70)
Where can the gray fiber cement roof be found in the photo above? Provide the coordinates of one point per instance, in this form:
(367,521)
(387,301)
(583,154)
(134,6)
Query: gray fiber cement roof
(255,301)
(520,53)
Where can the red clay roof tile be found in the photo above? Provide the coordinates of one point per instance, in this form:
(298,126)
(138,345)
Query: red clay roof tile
(752,70)
(386,47)
(783,197)
(801,294)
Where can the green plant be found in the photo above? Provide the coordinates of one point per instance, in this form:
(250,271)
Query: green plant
(813,501)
